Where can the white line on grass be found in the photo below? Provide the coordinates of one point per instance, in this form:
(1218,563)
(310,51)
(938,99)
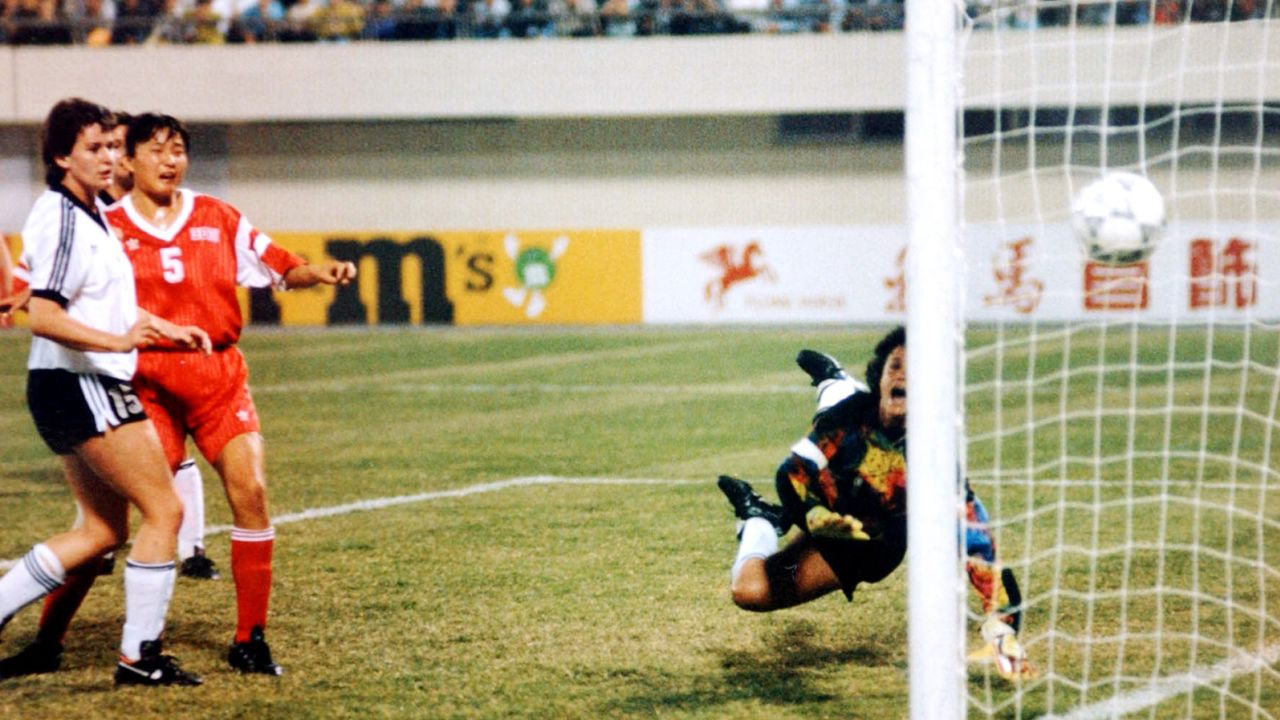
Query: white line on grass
(386,502)
(1173,686)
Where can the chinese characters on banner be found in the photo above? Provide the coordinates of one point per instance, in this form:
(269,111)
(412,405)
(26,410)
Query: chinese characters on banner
(1014,285)
(1222,275)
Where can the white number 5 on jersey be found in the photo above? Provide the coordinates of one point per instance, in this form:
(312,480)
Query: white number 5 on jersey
(171,262)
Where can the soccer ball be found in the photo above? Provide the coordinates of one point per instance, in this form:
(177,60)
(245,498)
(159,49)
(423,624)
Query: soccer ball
(1118,218)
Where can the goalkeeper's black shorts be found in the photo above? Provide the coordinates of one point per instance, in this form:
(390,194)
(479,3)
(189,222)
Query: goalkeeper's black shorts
(869,561)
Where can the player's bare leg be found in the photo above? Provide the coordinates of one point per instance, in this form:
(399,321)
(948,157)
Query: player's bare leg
(241,466)
(792,576)
(127,462)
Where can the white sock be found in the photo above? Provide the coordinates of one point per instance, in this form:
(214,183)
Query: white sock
(759,540)
(36,574)
(147,590)
(190,487)
(834,390)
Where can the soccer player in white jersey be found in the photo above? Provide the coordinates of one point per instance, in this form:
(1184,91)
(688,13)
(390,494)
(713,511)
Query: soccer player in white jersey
(44,653)
(86,328)
(189,253)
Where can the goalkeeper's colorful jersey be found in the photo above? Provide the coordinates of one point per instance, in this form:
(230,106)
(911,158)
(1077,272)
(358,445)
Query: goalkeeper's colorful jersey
(850,465)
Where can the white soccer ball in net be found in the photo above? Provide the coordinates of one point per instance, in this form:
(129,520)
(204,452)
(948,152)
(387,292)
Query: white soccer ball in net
(1118,218)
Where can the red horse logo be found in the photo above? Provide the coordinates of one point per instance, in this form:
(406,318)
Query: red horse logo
(734,271)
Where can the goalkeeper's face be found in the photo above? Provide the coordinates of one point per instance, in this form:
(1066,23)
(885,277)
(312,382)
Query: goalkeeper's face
(893,389)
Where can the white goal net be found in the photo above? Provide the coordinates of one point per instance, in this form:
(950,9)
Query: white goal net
(1122,424)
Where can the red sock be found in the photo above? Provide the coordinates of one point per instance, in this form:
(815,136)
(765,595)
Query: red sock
(61,605)
(251,569)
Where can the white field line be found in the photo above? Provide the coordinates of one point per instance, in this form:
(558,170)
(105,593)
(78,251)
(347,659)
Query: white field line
(386,502)
(1173,686)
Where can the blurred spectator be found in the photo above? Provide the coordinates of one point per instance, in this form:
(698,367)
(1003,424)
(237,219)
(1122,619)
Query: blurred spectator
(704,17)
(528,19)
(261,20)
(339,21)
(90,21)
(37,22)
(169,26)
(203,24)
(297,22)
(134,20)
(616,20)
(1168,12)
(416,21)
(380,23)
(488,18)
(576,18)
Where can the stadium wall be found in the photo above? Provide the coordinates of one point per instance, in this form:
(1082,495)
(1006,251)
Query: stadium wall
(463,144)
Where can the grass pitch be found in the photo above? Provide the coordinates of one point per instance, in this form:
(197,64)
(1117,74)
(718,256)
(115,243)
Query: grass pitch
(560,549)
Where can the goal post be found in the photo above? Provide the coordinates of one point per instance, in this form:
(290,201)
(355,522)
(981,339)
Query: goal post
(934,302)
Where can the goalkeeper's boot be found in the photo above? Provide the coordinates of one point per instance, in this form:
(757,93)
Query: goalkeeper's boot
(108,564)
(199,567)
(748,504)
(253,656)
(154,668)
(37,658)
(820,367)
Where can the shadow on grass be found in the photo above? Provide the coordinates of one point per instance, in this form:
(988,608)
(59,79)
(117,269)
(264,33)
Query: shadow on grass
(791,669)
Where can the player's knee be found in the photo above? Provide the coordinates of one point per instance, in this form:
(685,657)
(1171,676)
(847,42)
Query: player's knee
(104,537)
(751,593)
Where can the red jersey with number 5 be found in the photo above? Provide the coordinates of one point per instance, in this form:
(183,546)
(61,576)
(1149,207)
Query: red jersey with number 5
(187,272)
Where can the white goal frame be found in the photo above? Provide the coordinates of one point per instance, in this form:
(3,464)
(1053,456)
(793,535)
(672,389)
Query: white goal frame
(934,313)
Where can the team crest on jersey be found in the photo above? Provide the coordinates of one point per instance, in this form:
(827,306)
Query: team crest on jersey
(132,244)
(205,234)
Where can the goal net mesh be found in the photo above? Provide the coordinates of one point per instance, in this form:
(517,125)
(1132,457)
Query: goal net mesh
(1123,423)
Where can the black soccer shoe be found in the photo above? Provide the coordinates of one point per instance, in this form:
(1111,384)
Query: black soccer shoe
(747,504)
(820,367)
(108,564)
(37,658)
(253,656)
(154,669)
(199,567)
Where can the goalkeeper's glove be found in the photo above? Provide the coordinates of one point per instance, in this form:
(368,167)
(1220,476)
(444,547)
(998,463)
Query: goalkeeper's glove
(1003,648)
(827,524)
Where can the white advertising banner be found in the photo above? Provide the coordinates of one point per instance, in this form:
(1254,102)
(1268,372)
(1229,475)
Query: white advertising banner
(773,275)
(1199,272)
(846,274)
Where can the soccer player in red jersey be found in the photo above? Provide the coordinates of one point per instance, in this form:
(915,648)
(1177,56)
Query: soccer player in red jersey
(189,253)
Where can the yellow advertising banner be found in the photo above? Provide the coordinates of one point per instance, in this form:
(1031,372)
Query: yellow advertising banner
(573,277)
(469,278)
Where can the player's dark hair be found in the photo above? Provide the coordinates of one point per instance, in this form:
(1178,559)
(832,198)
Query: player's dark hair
(896,338)
(122,118)
(145,126)
(61,128)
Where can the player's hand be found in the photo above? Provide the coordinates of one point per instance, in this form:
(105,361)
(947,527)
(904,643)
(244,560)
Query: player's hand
(827,524)
(11,305)
(143,333)
(191,338)
(1004,649)
(325,273)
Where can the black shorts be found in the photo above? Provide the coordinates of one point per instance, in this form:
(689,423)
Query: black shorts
(70,408)
(869,561)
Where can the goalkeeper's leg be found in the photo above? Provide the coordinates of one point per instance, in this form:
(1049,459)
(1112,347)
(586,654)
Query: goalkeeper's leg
(796,574)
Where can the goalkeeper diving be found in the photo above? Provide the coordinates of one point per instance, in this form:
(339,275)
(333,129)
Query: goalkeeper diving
(844,486)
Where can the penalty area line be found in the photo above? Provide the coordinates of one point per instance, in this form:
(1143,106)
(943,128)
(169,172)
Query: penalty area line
(386,502)
(1165,688)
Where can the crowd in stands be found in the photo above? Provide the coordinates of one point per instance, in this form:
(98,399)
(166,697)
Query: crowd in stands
(130,22)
